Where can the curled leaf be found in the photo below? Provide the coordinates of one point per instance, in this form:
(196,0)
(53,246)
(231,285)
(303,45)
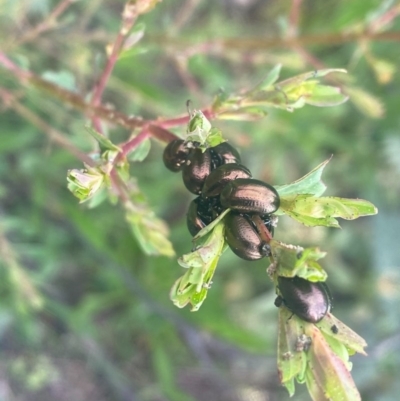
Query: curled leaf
(290,94)
(199,130)
(201,263)
(312,211)
(290,261)
(307,354)
(85,183)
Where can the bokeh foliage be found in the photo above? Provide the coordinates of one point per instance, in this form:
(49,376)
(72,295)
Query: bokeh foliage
(84,313)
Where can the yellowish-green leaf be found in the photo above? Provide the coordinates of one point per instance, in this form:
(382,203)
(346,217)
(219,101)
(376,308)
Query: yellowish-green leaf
(150,231)
(140,152)
(292,361)
(327,376)
(201,263)
(313,211)
(290,261)
(332,327)
(311,183)
(85,183)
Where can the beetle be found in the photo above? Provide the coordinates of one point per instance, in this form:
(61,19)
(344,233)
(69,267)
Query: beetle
(195,222)
(248,195)
(219,177)
(224,154)
(243,238)
(201,212)
(196,170)
(175,155)
(308,300)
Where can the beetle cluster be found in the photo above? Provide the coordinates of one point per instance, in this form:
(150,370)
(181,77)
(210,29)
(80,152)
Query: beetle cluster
(221,182)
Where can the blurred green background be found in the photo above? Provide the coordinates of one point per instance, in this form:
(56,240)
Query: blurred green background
(84,314)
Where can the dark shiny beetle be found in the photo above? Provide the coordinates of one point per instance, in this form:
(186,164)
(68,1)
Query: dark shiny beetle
(175,155)
(196,170)
(250,196)
(219,177)
(309,301)
(243,238)
(201,213)
(224,154)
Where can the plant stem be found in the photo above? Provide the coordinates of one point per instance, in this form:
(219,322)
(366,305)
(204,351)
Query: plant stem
(129,16)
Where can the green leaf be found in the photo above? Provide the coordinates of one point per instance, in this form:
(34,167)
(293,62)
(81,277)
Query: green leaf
(327,377)
(324,96)
(198,127)
(306,354)
(312,211)
(351,340)
(62,78)
(290,261)
(289,94)
(270,79)
(201,263)
(102,140)
(204,231)
(140,152)
(309,184)
(291,362)
(85,183)
(150,231)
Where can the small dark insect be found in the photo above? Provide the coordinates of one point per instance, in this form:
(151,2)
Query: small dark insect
(202,211)
(175,155)
(243,238)
(309,301)
(196,170)
(219,177)
(334,329)
(248,195)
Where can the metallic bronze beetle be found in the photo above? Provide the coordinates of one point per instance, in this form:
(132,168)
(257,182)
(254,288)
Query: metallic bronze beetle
(248,195)
(175,155)
(219,177)
(308,300)
(243,238)
(196,170)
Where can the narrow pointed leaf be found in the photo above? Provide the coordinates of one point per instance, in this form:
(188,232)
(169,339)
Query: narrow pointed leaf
(326,371)
(333,327)
(102,140)
(311,183)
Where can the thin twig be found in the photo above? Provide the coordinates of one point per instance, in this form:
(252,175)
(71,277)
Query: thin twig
(129,16)
(294,18)
(384,19)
